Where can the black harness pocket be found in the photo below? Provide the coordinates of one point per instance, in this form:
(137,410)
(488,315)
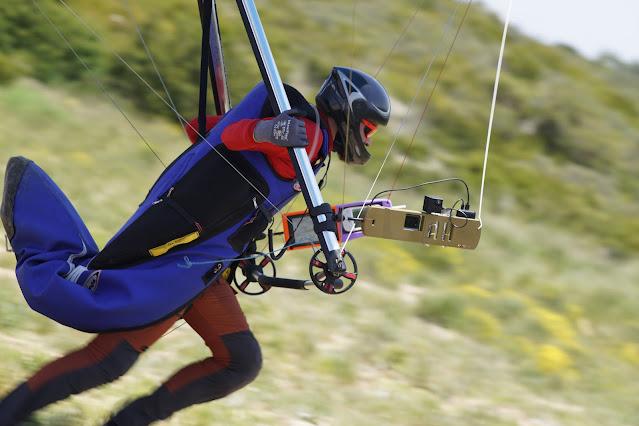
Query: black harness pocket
(210,198)
(249,231)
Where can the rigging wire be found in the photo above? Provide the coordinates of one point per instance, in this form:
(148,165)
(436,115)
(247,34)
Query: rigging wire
(173,329)
(170,103)
(350,91)
(155,92)
(440,45)
(101,40)
(147,50)
(492,109)
(397,41)
(172,106)
(97,81)
(432,92)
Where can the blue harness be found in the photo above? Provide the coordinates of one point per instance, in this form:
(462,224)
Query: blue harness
(198,216)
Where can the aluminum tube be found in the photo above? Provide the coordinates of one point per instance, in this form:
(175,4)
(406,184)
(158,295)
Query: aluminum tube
(279,92)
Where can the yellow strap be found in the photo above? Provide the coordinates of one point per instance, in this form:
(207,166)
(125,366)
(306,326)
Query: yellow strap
(226,274)
(160,250)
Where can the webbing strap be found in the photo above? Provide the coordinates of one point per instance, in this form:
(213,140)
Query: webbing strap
(180,210)
(204,7)
(329,224)
(323,208)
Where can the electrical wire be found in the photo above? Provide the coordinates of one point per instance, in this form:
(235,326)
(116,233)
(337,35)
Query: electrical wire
(432,182)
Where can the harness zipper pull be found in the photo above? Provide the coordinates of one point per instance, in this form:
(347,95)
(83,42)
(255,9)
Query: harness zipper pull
(168,195)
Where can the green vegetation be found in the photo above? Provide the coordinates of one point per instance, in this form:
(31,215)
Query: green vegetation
(537,326)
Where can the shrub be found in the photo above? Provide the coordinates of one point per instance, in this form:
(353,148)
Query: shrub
(445,309)
(480,324)
(630,353)
(556,325)
(8,69)
(552,360)
(25,30)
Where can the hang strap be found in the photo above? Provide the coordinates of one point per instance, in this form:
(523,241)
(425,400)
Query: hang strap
(205,8)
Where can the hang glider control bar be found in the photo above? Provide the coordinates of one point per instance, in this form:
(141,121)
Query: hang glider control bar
(335,266)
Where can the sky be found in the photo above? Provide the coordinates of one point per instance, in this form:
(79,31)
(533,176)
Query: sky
(592,27)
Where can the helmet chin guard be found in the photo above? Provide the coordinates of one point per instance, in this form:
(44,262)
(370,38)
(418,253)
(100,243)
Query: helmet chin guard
(358,103)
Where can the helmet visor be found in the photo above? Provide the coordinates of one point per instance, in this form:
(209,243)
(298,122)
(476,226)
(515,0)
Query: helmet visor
(366,130)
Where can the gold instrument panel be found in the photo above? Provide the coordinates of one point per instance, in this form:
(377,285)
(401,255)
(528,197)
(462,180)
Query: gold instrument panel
(438,229)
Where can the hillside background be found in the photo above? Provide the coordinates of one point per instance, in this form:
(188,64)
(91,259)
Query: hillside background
(538,326)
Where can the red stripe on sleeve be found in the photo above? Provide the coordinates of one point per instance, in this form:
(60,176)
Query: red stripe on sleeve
(239,137)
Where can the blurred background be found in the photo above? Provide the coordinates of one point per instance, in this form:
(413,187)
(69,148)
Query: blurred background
(538,326)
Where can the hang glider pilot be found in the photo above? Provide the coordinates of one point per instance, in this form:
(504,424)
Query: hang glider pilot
(133,291)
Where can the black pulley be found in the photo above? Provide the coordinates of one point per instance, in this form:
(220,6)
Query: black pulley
(247,273)
(328,282)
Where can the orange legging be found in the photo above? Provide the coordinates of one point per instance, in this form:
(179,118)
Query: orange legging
(215,315)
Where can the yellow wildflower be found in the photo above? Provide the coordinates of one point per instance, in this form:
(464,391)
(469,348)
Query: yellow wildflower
(553,360)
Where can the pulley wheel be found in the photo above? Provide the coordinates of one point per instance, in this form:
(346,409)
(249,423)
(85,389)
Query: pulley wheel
(326,281)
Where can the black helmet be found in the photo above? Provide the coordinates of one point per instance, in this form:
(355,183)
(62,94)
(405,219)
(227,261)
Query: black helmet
(358,103)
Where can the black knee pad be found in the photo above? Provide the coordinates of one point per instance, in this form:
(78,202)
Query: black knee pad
(246,361)
(246,356)
(119,361)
